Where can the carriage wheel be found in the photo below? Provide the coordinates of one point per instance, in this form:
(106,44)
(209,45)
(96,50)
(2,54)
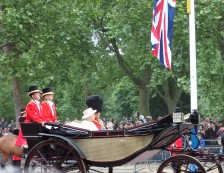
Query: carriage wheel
(212,167)
(181,164)
(54,156)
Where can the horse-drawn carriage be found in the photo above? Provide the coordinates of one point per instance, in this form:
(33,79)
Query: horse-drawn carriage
(63,148)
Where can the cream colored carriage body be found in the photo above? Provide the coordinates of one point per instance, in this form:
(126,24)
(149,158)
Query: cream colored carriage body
(115,145)
(114,148)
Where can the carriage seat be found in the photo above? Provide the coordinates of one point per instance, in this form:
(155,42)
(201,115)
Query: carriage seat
(32,129)
(66,130)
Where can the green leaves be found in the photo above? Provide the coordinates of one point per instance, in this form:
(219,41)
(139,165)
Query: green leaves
(67,45)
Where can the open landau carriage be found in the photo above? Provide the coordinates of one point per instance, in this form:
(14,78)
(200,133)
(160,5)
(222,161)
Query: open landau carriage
(63,148)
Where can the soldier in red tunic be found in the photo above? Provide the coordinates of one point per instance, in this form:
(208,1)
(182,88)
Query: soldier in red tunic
(48,105)
(96,103)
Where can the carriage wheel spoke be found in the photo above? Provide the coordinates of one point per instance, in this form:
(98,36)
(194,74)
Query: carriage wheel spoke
(54,155)
(181,163)
(47,162)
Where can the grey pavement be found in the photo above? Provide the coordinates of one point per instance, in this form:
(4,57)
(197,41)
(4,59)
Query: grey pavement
(139,168)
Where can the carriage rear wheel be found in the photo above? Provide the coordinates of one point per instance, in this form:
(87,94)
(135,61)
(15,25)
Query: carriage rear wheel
(54,156)
(212,167)
(181,164)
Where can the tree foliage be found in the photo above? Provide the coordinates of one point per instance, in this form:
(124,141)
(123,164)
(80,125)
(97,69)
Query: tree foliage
(103,47)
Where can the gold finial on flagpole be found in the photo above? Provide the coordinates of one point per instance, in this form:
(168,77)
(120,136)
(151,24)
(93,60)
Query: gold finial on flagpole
(188,6)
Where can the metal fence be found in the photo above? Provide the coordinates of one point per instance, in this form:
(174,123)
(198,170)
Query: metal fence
(210,144)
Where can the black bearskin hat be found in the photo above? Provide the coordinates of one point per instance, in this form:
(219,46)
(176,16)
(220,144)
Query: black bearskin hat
(95,102)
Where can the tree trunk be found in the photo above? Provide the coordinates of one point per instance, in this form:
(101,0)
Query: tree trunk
(170,94)
(141,82)
(144,100)
(17,91)
(17,97)
(171,105)
(220,39)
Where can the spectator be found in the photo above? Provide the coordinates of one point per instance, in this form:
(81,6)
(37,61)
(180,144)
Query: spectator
(131,124)
(13,124)
(220,135)
(142,118)
(9,128)
(6,132)
(121,125)
(202,131)
(139,122)
(202,141)
(131,120)
(210,134)
(3,123)
(110,125)
(148,119)
(67,121)
(115,125)
(222,142)
(220,132)
(205,123)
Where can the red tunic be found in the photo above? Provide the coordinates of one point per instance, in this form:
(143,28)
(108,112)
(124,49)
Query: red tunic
(49,113)
(33,113)
(98,125)
(20,141)
(14,157)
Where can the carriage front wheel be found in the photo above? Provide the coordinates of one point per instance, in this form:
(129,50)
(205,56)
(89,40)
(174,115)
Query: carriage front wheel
(181,164)
(54,156)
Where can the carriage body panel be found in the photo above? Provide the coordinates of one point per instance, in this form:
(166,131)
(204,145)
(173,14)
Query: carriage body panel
(112,148)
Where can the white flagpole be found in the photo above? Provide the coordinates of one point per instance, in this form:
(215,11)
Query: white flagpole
(193,68)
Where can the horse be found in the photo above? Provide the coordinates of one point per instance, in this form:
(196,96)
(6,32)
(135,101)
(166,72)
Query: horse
(8,148)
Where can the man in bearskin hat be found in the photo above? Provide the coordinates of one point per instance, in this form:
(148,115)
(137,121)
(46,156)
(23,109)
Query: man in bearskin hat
(96,103)
(48,105)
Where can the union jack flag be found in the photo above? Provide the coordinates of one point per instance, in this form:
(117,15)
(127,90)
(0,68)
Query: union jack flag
(161,34)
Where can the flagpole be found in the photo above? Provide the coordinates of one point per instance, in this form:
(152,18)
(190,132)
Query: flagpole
(193,67)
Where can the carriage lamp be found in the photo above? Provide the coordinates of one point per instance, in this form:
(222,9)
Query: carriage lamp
(178,116)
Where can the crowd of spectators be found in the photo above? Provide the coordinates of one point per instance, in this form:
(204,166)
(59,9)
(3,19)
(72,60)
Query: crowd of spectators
(6,128)
(123,123)
(212,131)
